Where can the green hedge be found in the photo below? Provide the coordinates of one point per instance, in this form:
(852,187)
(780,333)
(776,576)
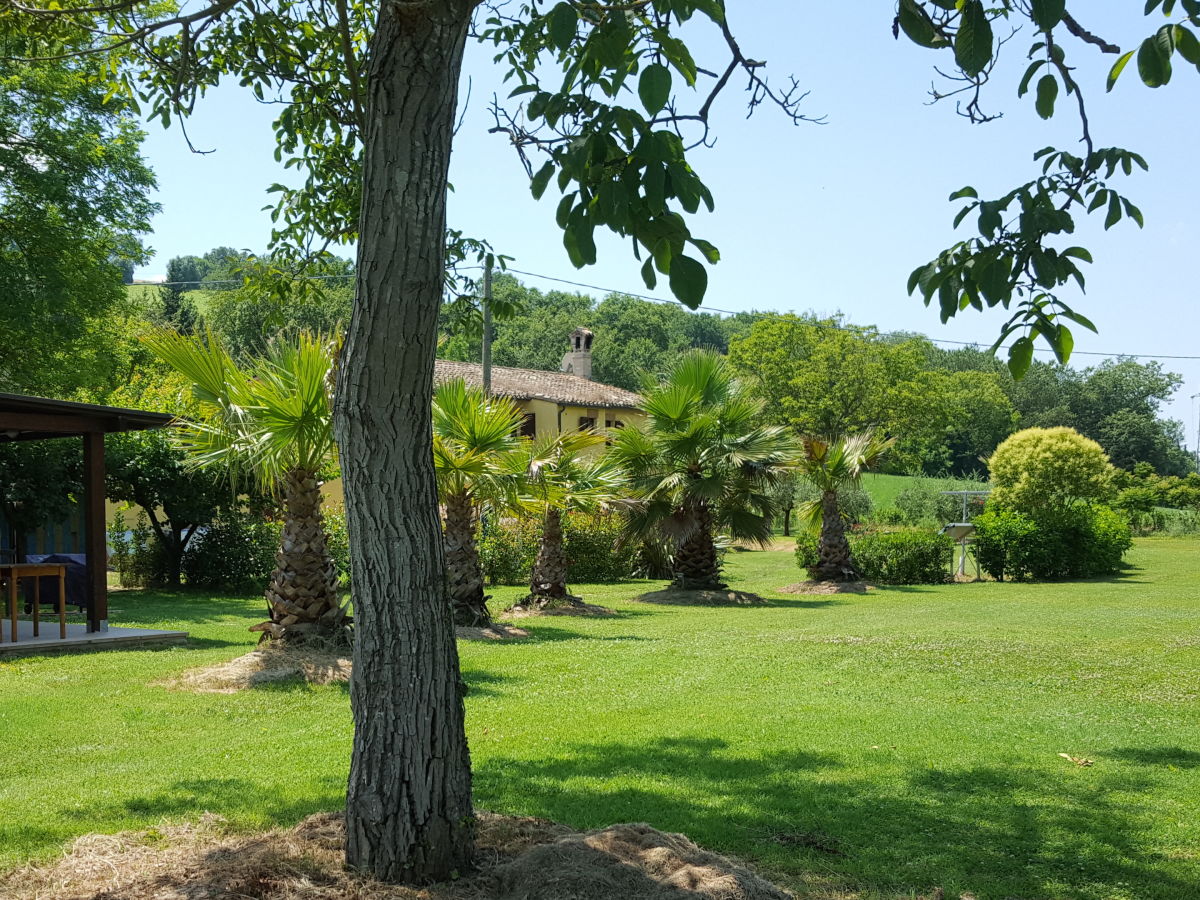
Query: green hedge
(235,553)
(890,557)
(595,553)
(1076,542)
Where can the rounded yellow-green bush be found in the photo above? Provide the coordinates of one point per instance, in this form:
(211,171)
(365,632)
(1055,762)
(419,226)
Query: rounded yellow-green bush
(1041,469)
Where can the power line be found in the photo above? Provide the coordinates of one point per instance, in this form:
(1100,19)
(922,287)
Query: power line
(769,314)
(765,314)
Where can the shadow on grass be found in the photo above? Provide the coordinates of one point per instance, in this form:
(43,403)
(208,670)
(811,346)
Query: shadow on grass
(230,797)
(1158,756)
(551,634)
(994,830)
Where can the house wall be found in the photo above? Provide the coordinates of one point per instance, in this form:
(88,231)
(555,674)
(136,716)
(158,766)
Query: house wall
(546,422)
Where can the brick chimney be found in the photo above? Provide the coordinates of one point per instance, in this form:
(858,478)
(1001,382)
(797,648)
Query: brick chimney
(578,358)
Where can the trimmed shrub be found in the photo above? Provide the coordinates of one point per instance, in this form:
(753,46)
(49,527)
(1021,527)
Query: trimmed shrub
(1042,469)
(890,557)
(235,553)
(595,552)
(903,557)
(1075,542)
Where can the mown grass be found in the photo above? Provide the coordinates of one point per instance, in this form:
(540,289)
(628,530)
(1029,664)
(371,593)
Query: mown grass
(870,745)
(885,488)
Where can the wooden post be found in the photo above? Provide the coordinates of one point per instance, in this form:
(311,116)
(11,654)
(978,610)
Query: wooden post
(95,540)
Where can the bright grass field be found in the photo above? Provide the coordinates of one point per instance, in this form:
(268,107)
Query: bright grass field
(869,746)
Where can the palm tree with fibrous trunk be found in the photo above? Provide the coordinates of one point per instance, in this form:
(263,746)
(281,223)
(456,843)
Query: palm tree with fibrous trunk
(832,466)
(564,474)
(474,439)
(703,462)
(270,419)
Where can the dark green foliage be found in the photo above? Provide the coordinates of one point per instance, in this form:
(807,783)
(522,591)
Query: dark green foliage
(1076,542)
(595,553)
(903,557)
(39,483)
(337,539)
(925,502)
(236,552)
(889,557)
(73,204)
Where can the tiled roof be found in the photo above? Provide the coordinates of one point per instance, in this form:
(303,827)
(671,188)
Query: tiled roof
(532,384)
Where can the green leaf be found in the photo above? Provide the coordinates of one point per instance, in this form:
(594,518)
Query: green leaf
(1154,66)
(1020,357)
(1118,67)
(563,20)
(654,87)
(1028,77)
(915,23)
(1187,45)
(1048,13)
(973,43)
(967,191)
(689,280)
(1063,344)
(648,275)
(1078,253)
(1114,211)
(1047,93)
(541,179)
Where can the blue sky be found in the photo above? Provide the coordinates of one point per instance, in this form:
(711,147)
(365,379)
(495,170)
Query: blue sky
(826,217)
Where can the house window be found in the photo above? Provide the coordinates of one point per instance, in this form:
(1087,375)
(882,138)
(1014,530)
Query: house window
(613,423)
(587,422)
(529,425)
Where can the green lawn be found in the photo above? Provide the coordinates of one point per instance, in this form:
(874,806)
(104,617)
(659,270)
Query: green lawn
(885,743)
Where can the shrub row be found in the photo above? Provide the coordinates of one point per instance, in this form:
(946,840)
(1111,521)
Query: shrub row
(1075,542)
(891,557)
(595,552)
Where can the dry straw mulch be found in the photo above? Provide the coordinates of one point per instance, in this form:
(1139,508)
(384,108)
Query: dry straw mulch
(270,664)
(519,858)
(587,610)
(497,631)
(825,587)
(677,597)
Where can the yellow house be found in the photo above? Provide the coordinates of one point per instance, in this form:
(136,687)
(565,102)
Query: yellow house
(553,402)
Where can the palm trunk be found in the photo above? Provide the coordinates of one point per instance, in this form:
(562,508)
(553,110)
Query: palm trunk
(302,593)
(696,567)
(548,584)
(835,562)
(464,575)
(408,802)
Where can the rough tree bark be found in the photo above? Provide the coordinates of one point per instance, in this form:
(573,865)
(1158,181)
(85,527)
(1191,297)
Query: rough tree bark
(302,594)
(696,563)
(548,583)
(834,560)
(408,805)
(464,575)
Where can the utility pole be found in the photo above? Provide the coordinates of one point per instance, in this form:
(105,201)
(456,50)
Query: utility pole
(1194,396)
(487,326)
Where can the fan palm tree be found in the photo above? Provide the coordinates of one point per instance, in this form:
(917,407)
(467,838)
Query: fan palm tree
(563,475)
(832,466)
(474,439)
(270,419)
(703,461)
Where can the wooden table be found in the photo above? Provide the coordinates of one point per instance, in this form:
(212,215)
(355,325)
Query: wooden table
(14,572)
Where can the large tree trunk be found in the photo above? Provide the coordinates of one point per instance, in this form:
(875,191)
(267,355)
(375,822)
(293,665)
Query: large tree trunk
(408,805)
(302,594)
(696,565)
(464,576)
(835,562)
(548,584)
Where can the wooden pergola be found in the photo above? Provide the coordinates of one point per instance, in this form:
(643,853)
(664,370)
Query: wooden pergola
(37,418)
